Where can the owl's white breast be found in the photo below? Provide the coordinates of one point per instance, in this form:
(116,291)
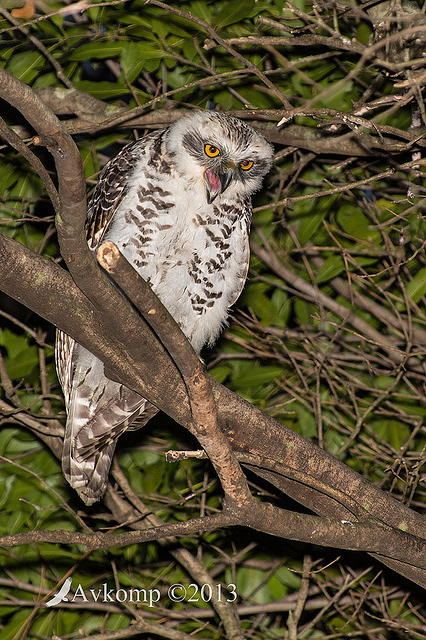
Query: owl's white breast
(193,257)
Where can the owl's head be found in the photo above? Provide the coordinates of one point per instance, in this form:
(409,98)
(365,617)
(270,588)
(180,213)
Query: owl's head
(219,152)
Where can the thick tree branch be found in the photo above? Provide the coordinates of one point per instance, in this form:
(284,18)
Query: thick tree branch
(77,316)
(341,534)
(248,428)
(93,115)
(70,221)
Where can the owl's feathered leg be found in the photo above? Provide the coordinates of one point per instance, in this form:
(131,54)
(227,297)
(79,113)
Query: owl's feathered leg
(99,411)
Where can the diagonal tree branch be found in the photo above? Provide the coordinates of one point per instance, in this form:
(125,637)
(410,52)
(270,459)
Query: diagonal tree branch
(341,534)
(251,430)
(73,312)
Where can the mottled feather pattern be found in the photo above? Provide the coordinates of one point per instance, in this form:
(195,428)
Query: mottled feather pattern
(178,205)
(64,359)
(110,191)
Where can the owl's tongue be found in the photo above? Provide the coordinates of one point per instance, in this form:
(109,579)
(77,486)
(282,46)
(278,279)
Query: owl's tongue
(216,183)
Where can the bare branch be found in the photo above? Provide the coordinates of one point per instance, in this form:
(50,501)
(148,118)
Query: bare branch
(16,142)
(244,425)
(344,534)
(362,328)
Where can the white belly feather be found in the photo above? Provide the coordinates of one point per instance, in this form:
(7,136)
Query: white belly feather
(194,277)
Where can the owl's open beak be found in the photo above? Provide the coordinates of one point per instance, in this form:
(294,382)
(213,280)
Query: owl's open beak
(216,182)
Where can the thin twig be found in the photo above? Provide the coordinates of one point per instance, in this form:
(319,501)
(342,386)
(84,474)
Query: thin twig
(17,143)
(213,34)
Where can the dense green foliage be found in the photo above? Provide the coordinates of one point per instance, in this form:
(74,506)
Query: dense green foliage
(328,335)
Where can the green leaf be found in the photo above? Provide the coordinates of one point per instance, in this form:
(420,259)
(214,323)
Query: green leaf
(288,578)
(308,225)
(220,372)
(393,431)
(201,9)
(272,310)
(283,305)
(352,221)
(135,56)
(145,28)
(254,375)
(6,488)
(97,50)
(15,521)
(303,311)
(232,12)
(25,65)
(116,621)
(416,288)
(21,356)
(27,186)
(276,588)
(14,626)
(14,342)
(251,584)
(45,80)
(363,33)
(101,90)
(330,268)
(8,176)
(13,442)
(307,425)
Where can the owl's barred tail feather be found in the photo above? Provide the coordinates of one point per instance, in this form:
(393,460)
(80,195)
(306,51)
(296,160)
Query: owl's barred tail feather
(89,442)
(99,410)
(89,477)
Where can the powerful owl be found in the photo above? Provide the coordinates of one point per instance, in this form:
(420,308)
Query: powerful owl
(177,203)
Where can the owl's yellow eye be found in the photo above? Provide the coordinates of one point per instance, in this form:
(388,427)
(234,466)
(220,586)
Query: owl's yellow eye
(246,164)
(211,151)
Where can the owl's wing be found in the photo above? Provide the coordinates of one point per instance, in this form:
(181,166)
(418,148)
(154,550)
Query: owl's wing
(64,349)
(99,411)
(244,249)
(110,190)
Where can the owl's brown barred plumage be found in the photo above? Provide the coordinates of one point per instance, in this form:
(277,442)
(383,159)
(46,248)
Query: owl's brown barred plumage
(178,205)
